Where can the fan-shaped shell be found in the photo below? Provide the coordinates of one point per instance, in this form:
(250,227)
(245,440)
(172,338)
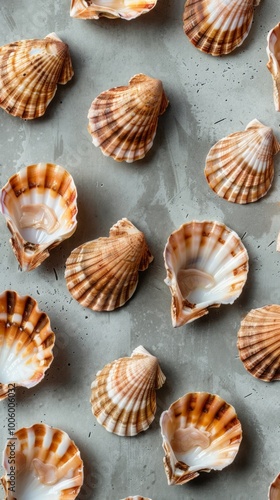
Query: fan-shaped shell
(218,26)
(240,167)
(123,393)
(40,206)
(29,73)
(125,9)
(42,462)
(207,265)
(26,342)
(103,274)
(273,52)
(200,432)
(274,489)
(259,342)
(123,120)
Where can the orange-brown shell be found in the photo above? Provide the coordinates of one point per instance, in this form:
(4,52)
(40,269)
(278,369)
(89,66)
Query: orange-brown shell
(217,27)
(124,9)
(273,65)
(200,432)
(137,497)
(47,465)
(123,395)
(274,489)
(259,342)
(240,167)
(26,342)
(29,73)
(103,274)
(123,120)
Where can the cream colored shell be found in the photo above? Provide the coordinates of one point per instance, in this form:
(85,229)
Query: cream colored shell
(273,52)
(240,167)
(123,395)
(218,26)
(259,342)
(123,120)
(207,265)
(39,204)
(29,73)
(274,489)
(26,342)
(124,9)
(103,274)
(48,465)
(200,432)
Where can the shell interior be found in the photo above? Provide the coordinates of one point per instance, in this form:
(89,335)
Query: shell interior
(200,432)
(123,393)
(273,52)
(207,265)
(124,9)
(26,342)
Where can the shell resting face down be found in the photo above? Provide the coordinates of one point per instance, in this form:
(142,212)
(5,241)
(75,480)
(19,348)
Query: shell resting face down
(207,265)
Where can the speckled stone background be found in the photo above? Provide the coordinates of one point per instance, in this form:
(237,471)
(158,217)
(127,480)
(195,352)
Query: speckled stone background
(209,98)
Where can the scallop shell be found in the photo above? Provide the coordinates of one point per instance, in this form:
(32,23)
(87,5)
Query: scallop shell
(240,167)
(123,120)
(207,265)
(274,489)
(259,342)
(123,393)
(218,26)
(200,432)
(26,342)
(273,52)
(40,207)
(29,73)
(47,464)
(103,274)
(125,9)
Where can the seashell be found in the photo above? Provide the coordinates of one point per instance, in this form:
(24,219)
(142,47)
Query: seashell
(29,73)
(218,26)
(207,265)
(274,489)
(200,432)
(240,166)
(123,393)
(26,342)
(123,120)
(47,465)
(137,497)
(40,206)
(259,342)
(103,274)
(125,9)
(273,52)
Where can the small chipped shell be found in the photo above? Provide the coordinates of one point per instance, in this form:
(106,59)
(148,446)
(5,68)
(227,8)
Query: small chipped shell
(26,342)
(259,342)
(274,489)
(240,167)
(200,432)
(47,465)
(123,120)
(123,395)
(30,71)
(273,65)
(103,274)
(218,27)
(113,9)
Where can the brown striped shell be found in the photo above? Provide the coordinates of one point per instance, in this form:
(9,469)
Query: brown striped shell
(123,120)
(123,395)
(124,9)
(259,342)
(200,432)
(39,204)
(103,274)
(26,342)
(206,265)
(47,465)
(273,65)
(217,27)
(29,73)
(274,489)
(240,167)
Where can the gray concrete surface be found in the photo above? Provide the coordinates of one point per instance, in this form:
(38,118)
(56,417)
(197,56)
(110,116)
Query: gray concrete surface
(209,98)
